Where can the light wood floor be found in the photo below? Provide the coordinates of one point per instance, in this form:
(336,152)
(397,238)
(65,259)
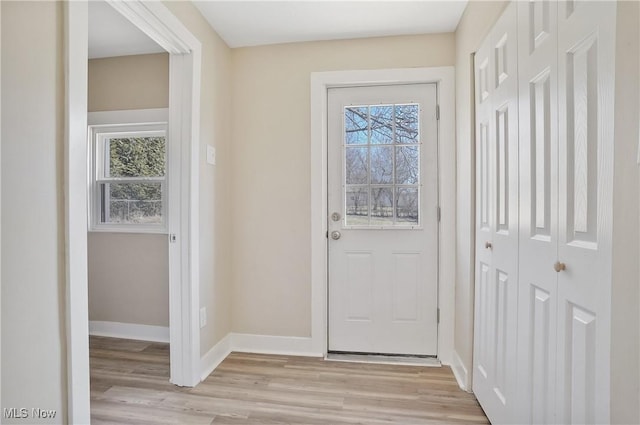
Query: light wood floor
(130,385)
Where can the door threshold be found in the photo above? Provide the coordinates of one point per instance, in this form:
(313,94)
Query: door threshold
(383,359)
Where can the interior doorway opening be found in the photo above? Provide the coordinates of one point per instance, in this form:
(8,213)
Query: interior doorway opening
(158,24)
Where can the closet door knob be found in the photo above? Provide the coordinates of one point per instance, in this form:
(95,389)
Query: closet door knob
(558,266)
(488,245)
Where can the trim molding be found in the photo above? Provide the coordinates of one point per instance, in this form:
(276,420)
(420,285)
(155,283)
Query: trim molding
(269,344)
(129,116)
(259,344)
(75,191)
(460,372)
(215,356)
(129,331)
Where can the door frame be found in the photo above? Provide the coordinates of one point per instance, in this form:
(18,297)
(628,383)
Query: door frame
(157,22)
(444,77)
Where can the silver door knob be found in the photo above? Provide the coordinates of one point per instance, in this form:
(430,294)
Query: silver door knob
(335,235)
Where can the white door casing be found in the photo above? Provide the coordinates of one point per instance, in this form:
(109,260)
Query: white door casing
(497,220)
(537,304)
(382,277)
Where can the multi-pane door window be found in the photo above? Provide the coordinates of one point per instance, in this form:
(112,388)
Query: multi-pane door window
(382,165)
(129,188)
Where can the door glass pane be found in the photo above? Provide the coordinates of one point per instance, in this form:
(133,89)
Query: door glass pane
(357,165)
(407,201)
(356,125)
(381,206)
(407,164)
(407,118)
(382,173)
(357,206)
(381,124)
(381,164)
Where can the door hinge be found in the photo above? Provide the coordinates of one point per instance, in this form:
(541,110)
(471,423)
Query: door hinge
(438,315)
(439,214)
(173,238)
(437,112)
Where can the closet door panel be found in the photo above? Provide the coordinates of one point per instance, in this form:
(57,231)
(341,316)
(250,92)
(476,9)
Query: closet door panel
(537,304)
(497,235)
(586,58)
(484,322)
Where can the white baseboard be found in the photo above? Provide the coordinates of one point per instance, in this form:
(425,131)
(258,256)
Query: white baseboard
(129,331)
(268,344)
(215,356)
(460,372)
(259,344)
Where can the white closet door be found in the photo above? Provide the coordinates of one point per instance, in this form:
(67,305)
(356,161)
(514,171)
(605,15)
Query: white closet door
(497,220)
(586,60)
(537,306)
(483,373)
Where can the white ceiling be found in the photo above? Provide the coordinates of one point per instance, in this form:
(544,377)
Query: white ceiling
(110,34)
(251,23)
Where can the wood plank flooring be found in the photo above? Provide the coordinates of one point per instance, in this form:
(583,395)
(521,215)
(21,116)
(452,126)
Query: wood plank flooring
(130,385)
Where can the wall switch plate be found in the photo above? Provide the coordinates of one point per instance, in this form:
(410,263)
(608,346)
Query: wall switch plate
(211,155)
(203,317)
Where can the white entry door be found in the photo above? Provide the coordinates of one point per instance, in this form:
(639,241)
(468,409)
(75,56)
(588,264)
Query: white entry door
(383,219)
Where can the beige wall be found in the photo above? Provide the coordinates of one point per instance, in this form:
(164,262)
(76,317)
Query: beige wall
(129,82)
(128,272)
(128,278)
(33,282)
(477,20)
(215,186)
(271,168)
(625,319)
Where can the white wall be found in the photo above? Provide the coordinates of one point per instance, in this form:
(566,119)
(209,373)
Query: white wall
(271,168)
(477,20)
(33,282)
(128,272)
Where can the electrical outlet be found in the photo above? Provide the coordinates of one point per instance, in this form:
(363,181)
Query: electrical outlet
(203,317)
(211,155)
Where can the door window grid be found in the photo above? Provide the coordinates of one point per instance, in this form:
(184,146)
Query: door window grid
(382,165)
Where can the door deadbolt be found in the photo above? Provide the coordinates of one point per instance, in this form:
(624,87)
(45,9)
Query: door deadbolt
(335,235)
(335,216)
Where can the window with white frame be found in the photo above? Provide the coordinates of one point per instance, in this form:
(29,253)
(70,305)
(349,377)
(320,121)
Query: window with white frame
(128,177)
